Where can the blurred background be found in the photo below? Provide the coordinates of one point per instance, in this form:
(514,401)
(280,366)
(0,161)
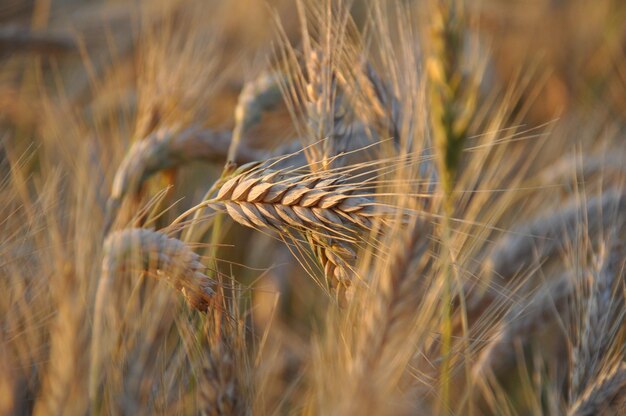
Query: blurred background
(109,72)
(576,47)
(96,76)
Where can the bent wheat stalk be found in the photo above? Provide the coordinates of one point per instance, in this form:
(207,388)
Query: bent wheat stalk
(144,250)
(168,257)
(167,148)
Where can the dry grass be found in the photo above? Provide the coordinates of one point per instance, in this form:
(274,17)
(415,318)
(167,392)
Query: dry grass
(363,210)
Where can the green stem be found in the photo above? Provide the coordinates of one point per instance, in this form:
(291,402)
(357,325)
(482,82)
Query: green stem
(446,311)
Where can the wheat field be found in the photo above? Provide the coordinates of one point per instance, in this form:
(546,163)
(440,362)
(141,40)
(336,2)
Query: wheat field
(316,207)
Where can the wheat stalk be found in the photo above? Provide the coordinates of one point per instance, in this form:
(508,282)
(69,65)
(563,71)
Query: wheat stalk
(13,383)
(167,148)
(69,338)
(453,97)
(22,39)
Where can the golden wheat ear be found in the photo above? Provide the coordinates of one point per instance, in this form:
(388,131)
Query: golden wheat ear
(154,253)
(141,249)
(329,212)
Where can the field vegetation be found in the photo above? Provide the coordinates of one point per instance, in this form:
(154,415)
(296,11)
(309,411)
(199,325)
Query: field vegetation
(317,207)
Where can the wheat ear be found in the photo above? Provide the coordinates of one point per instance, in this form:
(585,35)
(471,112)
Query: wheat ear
(452,99)
(257,96)
(453,93)
(521,322)
(144,250)
(336,259)
(379,331)
(601,321)
(267,199)
(217,390)
(604,397)
(167,257)
(369,97)
(323,108)
(544,236)
(329,212)
(225,371)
